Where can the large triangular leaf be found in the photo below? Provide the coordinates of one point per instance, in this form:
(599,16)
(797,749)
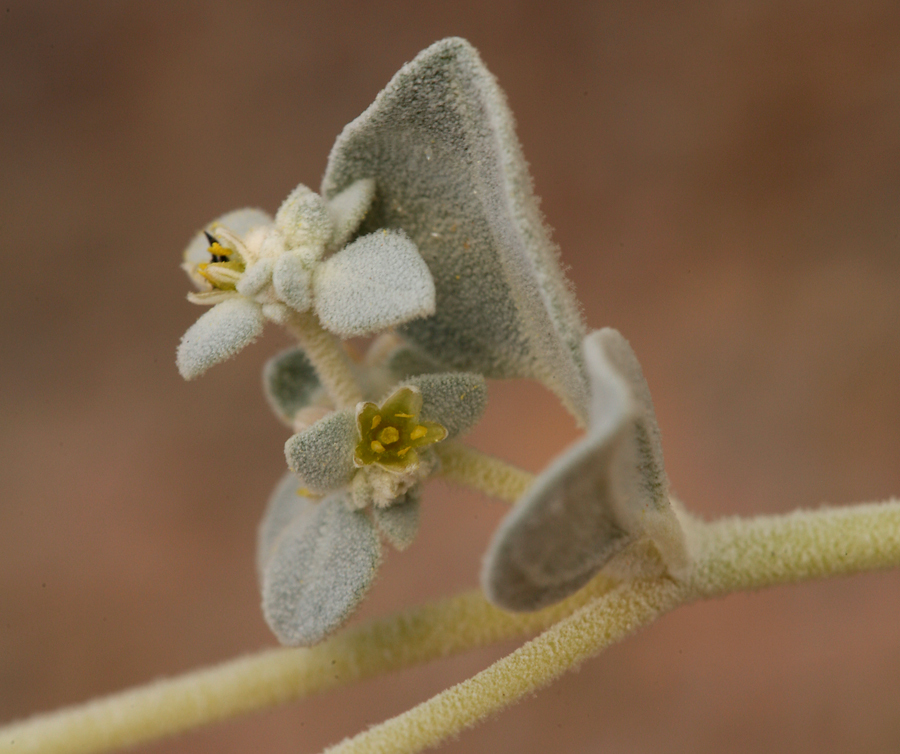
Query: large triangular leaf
(448,169)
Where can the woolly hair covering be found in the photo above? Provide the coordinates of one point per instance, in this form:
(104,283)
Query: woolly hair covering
(440,144)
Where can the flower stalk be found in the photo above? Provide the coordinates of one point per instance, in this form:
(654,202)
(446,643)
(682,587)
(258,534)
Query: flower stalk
(465,465)
(328,357)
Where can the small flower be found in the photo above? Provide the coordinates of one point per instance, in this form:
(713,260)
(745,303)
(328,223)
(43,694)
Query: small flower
(390,433)
(319,549)
(250,267)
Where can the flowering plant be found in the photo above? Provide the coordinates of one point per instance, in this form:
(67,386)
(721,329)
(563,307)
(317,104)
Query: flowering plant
(426,234)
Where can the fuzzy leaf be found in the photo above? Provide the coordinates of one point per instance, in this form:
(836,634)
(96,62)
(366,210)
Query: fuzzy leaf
(440,145)
(454,399)
(348,208)
(603,493)
(292,281)
(376,282)
(240,221)
(407,361)
(290,383)
(320,568)
(399,522)
(304,222)
(219,334)
(284,506)
(322,455)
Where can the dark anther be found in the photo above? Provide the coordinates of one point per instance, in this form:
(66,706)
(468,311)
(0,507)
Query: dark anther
(210,238)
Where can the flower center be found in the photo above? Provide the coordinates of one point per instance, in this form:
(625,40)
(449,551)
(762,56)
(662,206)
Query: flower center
(225,268)
(390,433)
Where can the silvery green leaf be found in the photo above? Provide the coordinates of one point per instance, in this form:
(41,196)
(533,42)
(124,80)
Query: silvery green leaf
(399,522)
(603,493)
(290,383)
(322,454)
(319,569)
(292,281)
(375,282)
(219,334)
(440,144)
(304,222)
(454,399)
(408,361)
(285,504)
(348,208)
(240,221)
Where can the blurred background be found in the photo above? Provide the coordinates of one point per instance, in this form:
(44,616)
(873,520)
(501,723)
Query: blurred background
(723,179)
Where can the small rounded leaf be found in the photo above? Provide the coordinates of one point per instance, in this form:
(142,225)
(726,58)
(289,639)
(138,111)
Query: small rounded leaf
(290,383)
(219,334)
(374,283)
(319,570)
(454,399)
(322,455)
(399,522)
(285,504)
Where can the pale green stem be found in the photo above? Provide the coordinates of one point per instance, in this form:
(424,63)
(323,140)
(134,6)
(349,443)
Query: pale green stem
(328,357)
(729,555)
(465,465)
(276,676)
(564,645)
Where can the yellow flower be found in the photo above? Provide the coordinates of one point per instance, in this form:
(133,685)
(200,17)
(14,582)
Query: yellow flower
(390,433)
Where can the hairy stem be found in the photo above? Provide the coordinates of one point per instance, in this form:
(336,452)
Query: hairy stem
(565,645)
(276,676)
(729,555)
(328,357)
(465,465)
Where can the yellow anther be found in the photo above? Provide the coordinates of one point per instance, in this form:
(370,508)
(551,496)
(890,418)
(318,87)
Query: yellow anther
(218,250)
(404,416)
(377,446)
(376,420)
(389,435)
(418,433)
(403,452)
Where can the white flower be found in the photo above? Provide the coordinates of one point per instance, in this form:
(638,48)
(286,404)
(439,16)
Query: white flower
(251,267)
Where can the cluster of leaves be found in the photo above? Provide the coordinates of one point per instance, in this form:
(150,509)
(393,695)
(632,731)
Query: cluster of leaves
(427,233)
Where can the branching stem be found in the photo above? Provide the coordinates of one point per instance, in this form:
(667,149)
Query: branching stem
(729,555)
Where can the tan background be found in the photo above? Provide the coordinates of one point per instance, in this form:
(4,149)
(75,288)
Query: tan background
(724,181)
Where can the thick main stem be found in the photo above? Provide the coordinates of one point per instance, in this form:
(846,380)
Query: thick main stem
(277,676)
(564,645)
(729,555)
(328,357)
